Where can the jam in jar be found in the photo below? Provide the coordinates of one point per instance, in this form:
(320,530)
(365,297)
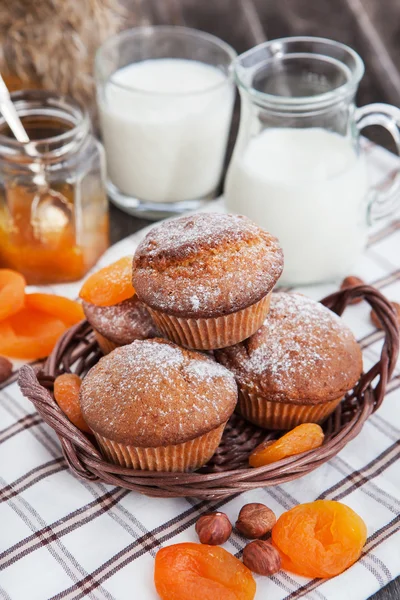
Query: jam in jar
(51,238)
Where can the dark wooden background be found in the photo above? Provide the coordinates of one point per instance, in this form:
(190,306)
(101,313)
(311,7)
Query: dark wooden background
(371,27)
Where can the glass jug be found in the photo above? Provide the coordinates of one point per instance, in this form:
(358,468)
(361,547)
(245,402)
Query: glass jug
(297,168)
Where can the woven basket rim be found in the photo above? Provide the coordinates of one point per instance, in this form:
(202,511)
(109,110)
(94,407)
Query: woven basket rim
(77,351)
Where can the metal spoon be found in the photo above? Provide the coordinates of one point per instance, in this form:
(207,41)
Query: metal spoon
(45,198)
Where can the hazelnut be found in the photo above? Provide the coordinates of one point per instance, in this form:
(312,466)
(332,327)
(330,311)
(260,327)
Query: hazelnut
(5,369)
(255,520)
(349,282)
(376,321)
(214,528)
(262,558)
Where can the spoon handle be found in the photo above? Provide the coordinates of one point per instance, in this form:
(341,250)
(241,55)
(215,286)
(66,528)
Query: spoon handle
(14,122)
(10,114)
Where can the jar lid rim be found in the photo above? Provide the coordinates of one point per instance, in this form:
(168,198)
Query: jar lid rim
(48,104)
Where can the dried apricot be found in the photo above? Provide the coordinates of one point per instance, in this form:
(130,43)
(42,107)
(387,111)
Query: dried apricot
(12,292)
(300,439)
(349,282)
(68,311)
(201,572)
(110,285)
(66,394)
(319,539)
(29,334)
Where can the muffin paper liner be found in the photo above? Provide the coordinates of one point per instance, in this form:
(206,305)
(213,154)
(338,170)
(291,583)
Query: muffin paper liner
(214,332)
(187,456)
(106,345)
(282,415)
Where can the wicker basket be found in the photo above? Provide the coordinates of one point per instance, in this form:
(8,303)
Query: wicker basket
(227,473)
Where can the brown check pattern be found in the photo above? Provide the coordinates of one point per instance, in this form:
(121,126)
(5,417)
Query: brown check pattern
(61,537)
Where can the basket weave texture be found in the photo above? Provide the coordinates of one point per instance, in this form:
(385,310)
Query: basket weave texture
(227,473)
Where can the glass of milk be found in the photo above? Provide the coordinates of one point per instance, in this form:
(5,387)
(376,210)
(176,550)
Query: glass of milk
(297,167)
(165,97)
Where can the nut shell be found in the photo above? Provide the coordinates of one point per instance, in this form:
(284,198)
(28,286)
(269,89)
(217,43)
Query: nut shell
(349,282)
(255,520)
(262,558)
(5,368)
(214,528)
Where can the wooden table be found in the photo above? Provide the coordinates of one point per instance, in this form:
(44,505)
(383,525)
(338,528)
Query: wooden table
(369,26)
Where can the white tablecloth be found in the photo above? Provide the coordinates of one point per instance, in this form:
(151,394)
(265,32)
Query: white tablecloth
(61,537)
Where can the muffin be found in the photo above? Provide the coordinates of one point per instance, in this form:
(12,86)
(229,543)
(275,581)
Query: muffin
(206,279)
(153,405)
(297,367)
(120,324)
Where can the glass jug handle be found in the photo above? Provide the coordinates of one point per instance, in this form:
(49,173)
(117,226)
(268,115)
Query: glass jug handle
(383,202)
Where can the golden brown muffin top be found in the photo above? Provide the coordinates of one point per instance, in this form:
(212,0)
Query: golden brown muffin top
(304,353)
(206,265)
(153,393)
(123,322)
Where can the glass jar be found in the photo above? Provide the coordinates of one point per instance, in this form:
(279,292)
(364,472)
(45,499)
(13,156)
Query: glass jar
(165,97)
(46,240)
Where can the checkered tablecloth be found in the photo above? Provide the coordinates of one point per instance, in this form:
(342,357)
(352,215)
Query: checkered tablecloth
(61,537)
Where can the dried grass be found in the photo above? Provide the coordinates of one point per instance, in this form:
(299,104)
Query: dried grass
(51,43)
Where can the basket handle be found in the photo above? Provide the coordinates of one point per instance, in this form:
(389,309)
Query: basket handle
(338,301)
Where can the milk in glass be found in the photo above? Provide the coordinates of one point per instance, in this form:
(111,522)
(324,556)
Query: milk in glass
(165,125)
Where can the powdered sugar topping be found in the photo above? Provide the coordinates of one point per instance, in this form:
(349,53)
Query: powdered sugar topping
(186,234)
(122,323)
(156,393)
(301,343)
(206,265)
